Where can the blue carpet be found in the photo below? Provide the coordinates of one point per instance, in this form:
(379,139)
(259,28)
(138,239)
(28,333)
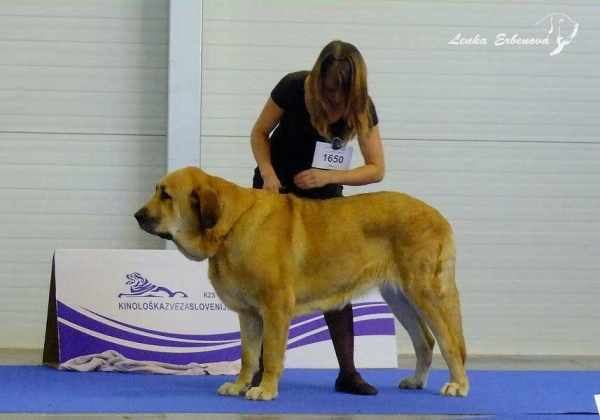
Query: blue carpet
(41,389)
(582,416)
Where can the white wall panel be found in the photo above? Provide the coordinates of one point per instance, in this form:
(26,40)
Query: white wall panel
(503,140)
(83,79)
(83,105)
(99,9)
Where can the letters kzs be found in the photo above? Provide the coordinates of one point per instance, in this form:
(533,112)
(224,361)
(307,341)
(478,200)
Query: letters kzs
(210,295)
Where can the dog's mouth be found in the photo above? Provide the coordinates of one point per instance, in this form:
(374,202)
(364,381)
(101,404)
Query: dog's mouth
(150,230)
(164,235)
(148,224)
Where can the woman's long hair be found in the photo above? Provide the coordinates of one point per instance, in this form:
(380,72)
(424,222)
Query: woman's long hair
(344,62)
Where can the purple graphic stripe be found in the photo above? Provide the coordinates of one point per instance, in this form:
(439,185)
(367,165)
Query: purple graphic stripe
(357,308)
(319,322)
(311,339)
(75,317)
(376,303)
(372,309)
(361,328)
(316,321)
(232,336)
(377,326)
(74,343)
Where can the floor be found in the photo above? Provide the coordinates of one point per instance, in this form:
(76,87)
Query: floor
(33,357)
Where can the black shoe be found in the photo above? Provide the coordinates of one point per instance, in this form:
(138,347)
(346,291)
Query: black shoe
(354,384)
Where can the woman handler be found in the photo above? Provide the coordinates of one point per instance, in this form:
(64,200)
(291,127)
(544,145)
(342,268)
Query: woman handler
(328,104)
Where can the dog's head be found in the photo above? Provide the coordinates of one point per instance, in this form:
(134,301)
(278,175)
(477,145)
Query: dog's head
(184,209)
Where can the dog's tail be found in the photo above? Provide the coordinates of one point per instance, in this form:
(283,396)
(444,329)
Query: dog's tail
(446,271)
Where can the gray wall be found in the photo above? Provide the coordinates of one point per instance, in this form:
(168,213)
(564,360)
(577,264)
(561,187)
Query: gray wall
(502,139)
(83,88)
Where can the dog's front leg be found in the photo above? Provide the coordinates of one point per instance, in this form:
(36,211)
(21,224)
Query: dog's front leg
(276,323)
(251,331)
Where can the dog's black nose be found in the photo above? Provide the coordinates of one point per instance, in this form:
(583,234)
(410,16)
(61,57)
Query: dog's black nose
(141,215)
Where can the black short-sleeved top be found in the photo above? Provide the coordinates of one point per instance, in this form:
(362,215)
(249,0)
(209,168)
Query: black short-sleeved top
(293,141)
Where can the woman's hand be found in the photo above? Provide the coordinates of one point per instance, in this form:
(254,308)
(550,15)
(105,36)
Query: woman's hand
(312,178)
(271,183)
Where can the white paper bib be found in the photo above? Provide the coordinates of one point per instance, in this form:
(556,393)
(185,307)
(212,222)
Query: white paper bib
(327,158)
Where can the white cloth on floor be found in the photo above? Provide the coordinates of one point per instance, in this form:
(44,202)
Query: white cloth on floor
(112,361)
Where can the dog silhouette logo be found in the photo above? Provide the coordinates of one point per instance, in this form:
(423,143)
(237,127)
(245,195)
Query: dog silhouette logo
(562,29)
(139,286)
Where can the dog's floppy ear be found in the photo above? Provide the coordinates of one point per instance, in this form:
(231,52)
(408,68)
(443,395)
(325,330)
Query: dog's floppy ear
(207,206)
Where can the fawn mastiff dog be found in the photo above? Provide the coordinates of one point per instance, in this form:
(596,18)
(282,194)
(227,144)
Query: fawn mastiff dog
(273,257)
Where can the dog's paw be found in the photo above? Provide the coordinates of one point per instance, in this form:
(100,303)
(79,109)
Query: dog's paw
(452,389)
(232,389)
(260,394)
(412,382)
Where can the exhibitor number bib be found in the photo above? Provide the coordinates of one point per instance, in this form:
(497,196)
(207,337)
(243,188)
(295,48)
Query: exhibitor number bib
(326,157)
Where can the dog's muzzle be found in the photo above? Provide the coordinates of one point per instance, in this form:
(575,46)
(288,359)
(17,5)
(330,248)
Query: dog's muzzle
(148,224)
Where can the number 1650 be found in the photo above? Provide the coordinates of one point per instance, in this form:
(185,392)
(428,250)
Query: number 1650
(333,158)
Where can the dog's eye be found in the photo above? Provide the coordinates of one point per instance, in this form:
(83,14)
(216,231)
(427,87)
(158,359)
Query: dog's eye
(164,196)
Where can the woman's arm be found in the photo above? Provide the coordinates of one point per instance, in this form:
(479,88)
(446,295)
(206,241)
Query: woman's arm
(372,171)
(259,140)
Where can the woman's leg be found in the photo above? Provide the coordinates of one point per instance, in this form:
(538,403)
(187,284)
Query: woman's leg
(341,329)
(261,368)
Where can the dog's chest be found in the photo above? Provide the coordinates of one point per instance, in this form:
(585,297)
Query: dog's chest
(231,292)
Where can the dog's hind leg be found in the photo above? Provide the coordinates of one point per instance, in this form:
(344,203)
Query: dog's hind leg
(440,307)
(422,339)
(251,331)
